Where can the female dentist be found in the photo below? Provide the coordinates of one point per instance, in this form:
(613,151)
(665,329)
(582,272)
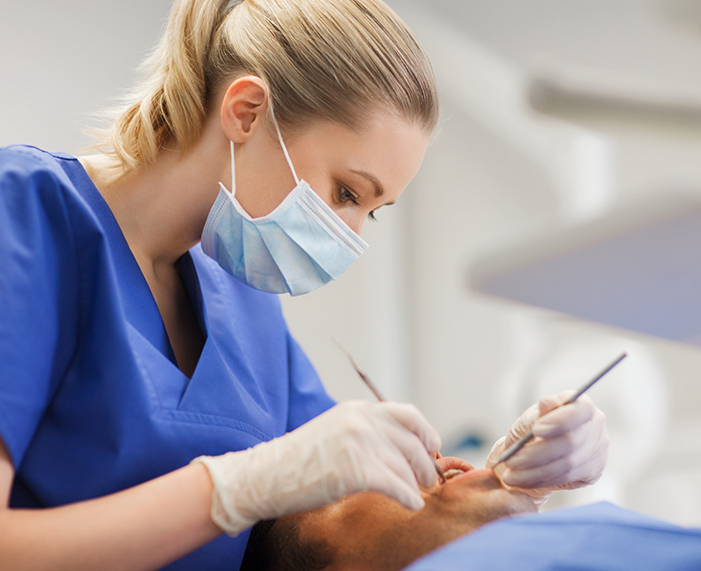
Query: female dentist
(149,401)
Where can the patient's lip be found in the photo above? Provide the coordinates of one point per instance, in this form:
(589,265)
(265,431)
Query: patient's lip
(450,463)
(468,471)
(474,473)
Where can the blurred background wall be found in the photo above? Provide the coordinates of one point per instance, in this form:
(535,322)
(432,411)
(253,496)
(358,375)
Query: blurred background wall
(556,114)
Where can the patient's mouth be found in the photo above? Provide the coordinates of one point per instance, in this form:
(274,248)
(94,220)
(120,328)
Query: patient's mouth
(456,469)
(453,467)
(452,473)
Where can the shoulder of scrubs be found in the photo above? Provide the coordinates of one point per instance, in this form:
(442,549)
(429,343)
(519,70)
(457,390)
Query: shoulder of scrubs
(39,293)
(598,536)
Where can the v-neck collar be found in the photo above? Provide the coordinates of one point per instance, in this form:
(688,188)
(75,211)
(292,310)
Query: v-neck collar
(140,306)
(191,281)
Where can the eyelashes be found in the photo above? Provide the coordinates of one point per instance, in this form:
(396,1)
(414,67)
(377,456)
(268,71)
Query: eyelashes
(345,195)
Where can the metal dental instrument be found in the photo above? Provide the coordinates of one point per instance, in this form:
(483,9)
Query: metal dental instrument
(521,442)
(380,398)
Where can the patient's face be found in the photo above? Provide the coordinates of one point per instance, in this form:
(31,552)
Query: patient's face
(369,531)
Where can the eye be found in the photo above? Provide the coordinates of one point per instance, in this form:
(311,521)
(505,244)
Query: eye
(345,195)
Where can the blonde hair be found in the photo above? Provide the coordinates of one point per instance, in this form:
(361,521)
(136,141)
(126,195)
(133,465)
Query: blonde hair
(321,59)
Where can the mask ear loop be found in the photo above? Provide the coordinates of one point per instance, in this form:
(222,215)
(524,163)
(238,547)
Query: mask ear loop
(282,143)
(233,171)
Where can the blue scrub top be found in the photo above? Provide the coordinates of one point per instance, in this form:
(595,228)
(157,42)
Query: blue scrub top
(91,400)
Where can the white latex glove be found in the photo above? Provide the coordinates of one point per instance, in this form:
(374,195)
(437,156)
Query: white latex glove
(569,450)
(354,446)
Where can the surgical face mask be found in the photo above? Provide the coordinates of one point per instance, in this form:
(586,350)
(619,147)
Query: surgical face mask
(298,247)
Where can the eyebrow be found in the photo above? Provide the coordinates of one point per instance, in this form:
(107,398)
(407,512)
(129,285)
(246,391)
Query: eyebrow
(379,190)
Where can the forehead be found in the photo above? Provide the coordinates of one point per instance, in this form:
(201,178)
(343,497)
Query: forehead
(388,147)
(352,516)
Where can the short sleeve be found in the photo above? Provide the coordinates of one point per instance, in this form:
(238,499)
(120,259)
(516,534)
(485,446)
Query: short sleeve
(38,300)
(308,398)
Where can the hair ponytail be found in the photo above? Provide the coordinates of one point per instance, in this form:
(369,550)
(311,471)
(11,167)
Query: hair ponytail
(170,103)
(328,59)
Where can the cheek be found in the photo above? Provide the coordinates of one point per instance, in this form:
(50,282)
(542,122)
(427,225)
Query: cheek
(452,495)
(323,189)
(353,221)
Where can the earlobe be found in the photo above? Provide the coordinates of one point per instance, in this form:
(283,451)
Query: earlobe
(243,106)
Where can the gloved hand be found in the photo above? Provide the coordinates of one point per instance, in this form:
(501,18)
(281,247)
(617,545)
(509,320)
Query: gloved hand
(354,446)
(569,450)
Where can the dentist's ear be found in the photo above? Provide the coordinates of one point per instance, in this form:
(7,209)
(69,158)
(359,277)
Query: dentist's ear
(243,108)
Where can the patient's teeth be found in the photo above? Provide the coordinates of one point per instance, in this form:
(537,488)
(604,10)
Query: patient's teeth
(452,473)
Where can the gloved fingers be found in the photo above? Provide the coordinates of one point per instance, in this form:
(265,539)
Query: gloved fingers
(495,453)
(378,438)
(587,474)
(550,402)
(581,464)
(382,459)
(411,418)
(597,465)
(595,453)
(387,457)
(543,451)
(530,416)
(386,481)
(565,418)
(560,474)
(522,425)
(410,449)
(542,477)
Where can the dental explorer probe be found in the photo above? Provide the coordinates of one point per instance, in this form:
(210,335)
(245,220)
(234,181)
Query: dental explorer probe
(521,442)
(380,398)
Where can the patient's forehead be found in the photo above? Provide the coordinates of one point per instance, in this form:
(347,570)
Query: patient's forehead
(361,509)
(364,512)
